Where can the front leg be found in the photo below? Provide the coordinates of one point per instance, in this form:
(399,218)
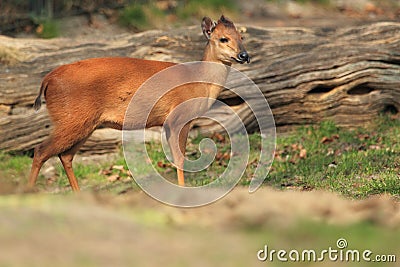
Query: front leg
(177,137)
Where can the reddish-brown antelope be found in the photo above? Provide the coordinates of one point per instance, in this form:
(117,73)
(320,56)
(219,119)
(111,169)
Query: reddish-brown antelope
(84,95)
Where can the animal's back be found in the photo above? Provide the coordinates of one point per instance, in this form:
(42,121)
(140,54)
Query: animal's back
(103,75)
(94,86)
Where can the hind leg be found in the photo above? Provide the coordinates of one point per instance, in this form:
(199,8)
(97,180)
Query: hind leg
(66,160)
(57,144)
(42,153)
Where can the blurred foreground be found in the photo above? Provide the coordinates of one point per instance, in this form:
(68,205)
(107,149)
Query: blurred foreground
(134,230)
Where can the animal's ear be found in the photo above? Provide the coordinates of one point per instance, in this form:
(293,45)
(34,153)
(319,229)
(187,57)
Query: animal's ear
(207,25)
(222,19)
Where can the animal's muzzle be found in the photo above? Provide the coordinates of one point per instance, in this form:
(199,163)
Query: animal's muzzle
(243,57)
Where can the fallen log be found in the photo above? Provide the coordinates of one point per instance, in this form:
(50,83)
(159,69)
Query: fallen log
(348,75)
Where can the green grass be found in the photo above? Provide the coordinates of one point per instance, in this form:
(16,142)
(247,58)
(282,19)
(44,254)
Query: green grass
(13,167)
(213,8)
(111,177)
(321,2)
(147,15)
(134,16)
(14,171)
(88,174)
(354,163)
(357,163)
(48,28)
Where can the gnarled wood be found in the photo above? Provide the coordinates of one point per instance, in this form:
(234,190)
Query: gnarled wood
(346,75)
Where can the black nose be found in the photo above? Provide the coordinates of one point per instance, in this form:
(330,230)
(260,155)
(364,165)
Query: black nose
(244,57)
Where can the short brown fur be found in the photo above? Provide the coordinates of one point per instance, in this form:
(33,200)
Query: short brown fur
(83,95)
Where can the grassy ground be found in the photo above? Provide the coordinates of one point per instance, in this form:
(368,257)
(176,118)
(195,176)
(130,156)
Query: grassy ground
(355,163)
(113,223)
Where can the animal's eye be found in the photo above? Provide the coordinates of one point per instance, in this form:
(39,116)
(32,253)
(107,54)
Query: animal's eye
(224,40)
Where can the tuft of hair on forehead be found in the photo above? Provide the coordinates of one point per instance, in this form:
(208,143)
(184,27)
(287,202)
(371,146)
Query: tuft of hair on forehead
(226,22)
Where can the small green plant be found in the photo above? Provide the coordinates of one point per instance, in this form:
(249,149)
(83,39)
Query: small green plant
(134,17)
(212,8)
(48,28)
(321,2)
(145,15)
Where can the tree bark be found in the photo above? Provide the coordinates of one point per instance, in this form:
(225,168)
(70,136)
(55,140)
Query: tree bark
(348,75)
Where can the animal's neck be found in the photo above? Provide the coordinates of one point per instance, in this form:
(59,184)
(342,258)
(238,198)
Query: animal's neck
(209,56)
(217,71)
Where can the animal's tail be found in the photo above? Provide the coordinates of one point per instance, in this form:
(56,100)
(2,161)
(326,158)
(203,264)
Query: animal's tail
(38,100)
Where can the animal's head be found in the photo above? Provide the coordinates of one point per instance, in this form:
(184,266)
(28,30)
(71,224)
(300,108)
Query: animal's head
(224,40)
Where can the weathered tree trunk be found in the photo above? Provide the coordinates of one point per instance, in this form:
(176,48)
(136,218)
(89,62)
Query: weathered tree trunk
(346,75)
